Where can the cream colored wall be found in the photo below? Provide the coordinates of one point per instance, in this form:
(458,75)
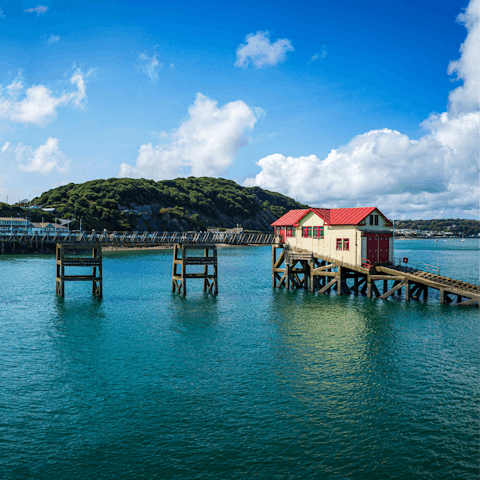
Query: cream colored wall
(382,226)
(327,245)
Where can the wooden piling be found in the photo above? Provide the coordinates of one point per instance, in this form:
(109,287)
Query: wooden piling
(95,261)
(181,260)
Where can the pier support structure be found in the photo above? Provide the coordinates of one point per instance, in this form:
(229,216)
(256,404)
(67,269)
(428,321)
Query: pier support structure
(64,260)
(181,260)
(294,268)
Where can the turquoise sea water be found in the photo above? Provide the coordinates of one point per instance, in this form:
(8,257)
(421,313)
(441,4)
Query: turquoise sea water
(252,383)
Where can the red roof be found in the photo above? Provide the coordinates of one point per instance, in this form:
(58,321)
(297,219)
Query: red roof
(331,216)
(291,218)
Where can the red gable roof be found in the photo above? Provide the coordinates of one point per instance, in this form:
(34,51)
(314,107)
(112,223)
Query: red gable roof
(291,218)
(331,216)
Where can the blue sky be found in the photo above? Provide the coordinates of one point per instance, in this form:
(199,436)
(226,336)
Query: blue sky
(333,103)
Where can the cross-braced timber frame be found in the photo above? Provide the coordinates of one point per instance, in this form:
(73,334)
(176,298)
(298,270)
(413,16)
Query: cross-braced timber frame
(95,261)
(294,268)
(181,260)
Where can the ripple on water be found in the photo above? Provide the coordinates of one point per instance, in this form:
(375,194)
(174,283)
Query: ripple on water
(253,382)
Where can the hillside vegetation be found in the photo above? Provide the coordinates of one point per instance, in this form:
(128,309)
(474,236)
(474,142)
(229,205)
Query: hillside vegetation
(182,204)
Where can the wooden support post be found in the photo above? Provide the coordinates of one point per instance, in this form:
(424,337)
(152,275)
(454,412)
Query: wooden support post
(287,275)
(184,283)
(442,296)
(339,283)
(355,284)
(375,289)
(385,286)
(62,261)
(407,290)
(274,265)
(369,287)
(312,281)
(179,278)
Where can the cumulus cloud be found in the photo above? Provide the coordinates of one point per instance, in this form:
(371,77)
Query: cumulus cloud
(39,10)
(150,65)
(53,39)
(205,144)
(43,159)
(5,147)
(37,104)
(260,52)
(436,175)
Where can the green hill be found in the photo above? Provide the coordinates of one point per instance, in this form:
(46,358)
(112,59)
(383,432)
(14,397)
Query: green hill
(183,204)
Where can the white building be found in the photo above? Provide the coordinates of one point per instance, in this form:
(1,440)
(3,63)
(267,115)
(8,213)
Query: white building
(353,235)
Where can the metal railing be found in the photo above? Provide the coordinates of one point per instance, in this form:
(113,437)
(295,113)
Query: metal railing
(405,262)
(143,238)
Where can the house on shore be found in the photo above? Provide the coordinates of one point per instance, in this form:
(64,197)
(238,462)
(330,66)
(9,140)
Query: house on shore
(23,225)
(353,235)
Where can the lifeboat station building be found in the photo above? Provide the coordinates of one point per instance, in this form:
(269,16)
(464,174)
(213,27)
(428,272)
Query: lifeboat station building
(356,236)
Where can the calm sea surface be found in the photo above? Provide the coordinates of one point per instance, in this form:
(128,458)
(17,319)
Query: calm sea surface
(252,383)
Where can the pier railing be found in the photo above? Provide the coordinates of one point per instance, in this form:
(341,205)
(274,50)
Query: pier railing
(404,261)
(141,238)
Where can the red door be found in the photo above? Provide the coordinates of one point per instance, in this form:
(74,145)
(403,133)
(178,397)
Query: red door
(372,248)
(282,234)
(383,246)
(377,248)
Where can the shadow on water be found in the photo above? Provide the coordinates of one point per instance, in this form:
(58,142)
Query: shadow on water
(194,313)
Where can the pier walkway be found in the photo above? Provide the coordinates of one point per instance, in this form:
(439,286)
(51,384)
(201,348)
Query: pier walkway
(131,239)
(295,268)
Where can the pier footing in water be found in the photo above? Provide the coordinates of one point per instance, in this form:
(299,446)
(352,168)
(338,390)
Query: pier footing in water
(181,260)
(95,261)
(293,268)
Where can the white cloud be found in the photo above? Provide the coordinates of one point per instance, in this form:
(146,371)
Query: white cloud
(38,104)
(39,10)
(260,52)
(5,147)
(318,56)
(2,15)
(53,39)
(206,143)
(43,159)
(150,65)
(437,175)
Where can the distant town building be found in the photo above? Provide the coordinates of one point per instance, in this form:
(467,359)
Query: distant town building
(23,225)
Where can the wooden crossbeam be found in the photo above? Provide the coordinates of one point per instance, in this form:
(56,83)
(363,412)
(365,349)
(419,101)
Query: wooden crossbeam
(392,290)
(328,285)
(470,301)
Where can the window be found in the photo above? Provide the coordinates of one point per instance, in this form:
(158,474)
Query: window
(339,244)
(290,231)
(371,219)
(376,219)
(346,244)
(317,232)
(307,232)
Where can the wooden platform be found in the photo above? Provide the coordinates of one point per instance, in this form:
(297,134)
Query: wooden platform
(95,262)
(181,261)
(293,268)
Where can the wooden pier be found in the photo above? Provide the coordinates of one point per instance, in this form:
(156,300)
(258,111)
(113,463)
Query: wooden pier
(293,268)
(181,260)
(95,261)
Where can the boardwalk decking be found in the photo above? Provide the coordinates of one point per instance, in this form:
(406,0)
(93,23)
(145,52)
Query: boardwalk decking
(294,268)
(131,239)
